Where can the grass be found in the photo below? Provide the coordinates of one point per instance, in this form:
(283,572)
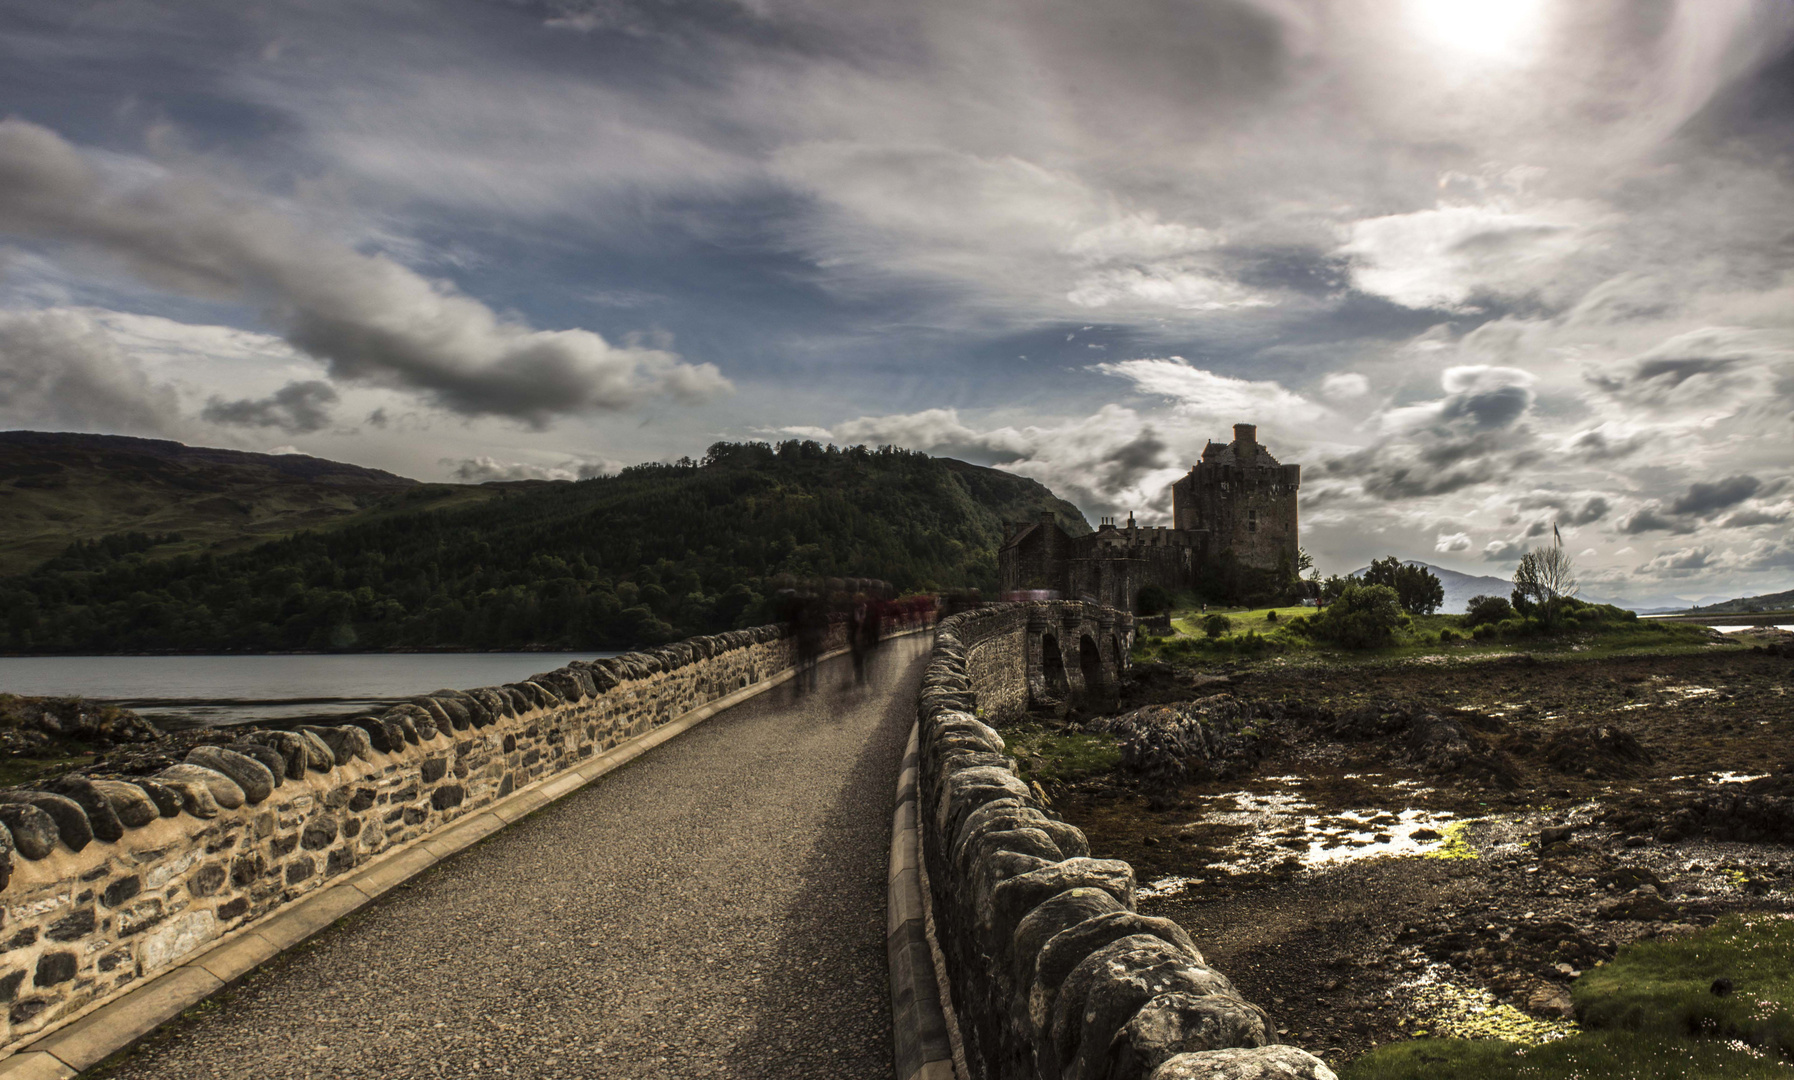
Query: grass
(1255,633)
(1649,1013)
(1603,1055)
(1046,754)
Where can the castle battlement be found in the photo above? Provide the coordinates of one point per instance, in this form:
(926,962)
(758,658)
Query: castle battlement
(1236,508)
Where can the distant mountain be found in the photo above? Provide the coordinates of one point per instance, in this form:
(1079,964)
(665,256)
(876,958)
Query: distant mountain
(1781,601)
(657,552)
(57,488)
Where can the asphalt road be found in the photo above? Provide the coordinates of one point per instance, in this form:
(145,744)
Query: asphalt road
(714,908)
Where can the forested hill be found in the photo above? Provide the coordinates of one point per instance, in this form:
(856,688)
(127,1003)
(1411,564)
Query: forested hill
(657,552)
(57,487)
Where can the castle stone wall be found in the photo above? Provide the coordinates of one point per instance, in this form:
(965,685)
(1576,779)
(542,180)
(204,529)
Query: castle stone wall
(1054,973)
(145,871)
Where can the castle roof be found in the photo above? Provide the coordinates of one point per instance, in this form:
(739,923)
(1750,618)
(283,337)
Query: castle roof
(1233,454)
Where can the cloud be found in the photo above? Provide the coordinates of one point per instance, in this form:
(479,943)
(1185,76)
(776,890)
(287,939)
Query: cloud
(1650,518)
(1473,435)
(1344,385)
(1444,256)
(481,470)
(1205,394)
(1703,500)
(297,407)
(63,370)
(1448,542)
(368,318)
(1681,562)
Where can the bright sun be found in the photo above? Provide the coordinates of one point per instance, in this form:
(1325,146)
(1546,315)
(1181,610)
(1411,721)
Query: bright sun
(1498,29)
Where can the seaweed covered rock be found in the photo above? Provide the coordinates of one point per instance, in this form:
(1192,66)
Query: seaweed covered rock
(1180,742)
(1605,751)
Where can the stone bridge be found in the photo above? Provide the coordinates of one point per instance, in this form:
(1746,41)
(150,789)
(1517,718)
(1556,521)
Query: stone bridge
(504,882)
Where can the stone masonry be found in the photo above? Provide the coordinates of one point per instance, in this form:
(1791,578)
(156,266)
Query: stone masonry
(1054,973)
(113,880)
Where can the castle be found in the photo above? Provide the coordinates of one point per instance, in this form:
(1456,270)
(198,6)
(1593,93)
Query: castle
(1233,514)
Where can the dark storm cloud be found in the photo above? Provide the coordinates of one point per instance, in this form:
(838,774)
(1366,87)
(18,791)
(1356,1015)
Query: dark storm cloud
(297,408)
(1477,433)
(369,318)
(1597,445)
(1703,500)
(1130,462)
(1651,518)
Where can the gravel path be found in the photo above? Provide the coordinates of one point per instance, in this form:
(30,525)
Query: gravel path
(714,908)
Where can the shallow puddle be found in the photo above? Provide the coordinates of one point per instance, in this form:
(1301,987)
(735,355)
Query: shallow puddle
(1286,831)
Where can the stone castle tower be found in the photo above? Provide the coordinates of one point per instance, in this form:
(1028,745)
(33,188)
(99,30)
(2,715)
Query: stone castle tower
(1244,499)
(1234,511)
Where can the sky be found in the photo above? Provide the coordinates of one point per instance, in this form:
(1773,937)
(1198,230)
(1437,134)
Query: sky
(1482,267)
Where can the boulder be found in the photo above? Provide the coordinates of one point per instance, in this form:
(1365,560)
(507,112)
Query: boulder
(131,803)
(1183,1023)
(1256,1063)
(967,790)
(1014,898)
(385,736)
(255,779)
(224,791)
(5,857)
(101,818)
(71,821)
(33,832)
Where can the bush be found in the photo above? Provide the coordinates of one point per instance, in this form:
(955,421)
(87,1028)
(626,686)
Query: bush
(1271,616)
(1363,617)
(1417,589)
(1446,636)
(1216,625)
(1487,609)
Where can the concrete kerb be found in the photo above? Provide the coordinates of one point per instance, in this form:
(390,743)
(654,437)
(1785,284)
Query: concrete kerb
(91,1037)
(921,1038)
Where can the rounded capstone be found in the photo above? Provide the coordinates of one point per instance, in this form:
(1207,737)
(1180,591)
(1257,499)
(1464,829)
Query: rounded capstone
(1110,986)
(1256,1063)
(101,818)
(132,804)
(272,760)
(224,791)
(294,751)
(256,780)
(167,800)
(33,832)
(71,821)
(1183,1023)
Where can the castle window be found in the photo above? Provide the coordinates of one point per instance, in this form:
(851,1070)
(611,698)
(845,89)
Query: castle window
(1252,521)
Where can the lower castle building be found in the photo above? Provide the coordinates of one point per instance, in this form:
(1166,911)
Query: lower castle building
(1232,515)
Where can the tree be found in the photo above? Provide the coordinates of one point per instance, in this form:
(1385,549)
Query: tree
(1152,600)
(1417,588)
(1487,609)
(1362,617)
(1543,581)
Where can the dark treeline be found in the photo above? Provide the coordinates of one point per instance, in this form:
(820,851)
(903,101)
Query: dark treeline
(655,553)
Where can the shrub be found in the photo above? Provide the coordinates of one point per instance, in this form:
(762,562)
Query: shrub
(1363,617)
(1416,588)
(1271,616)
(1487,609)
(1446,636)
(1216,625)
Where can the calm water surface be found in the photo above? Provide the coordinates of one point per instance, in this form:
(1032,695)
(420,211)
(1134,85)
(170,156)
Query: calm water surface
(188,691)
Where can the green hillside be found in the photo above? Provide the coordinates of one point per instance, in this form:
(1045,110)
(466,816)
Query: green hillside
(660,551)
(57,487)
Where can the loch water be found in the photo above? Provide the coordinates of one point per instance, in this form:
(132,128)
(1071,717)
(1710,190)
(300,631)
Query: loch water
(176,692)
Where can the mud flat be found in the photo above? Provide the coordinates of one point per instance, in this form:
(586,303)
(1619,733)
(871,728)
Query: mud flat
(1383,851)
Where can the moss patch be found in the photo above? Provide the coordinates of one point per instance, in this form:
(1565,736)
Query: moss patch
(1607,1055)
(1049,755)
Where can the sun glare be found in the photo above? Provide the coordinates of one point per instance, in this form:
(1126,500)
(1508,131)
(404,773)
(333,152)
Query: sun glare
(1498,29)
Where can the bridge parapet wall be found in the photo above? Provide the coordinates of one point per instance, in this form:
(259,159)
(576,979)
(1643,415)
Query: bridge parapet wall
(113,881)
(1054,973)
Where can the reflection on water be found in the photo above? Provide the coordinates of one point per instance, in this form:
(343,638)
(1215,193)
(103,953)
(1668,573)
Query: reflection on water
(205,691)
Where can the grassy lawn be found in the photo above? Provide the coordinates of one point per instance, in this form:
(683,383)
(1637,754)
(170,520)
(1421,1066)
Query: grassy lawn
(1649,1013)
(1267,632)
